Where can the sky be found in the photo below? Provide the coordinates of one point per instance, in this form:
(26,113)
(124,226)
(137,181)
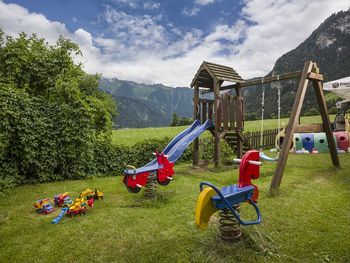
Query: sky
(153,42)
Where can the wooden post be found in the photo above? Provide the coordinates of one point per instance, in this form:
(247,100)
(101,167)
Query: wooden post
(232,113)
(195,160)
(293,119)
(225,110)
(210,110)
(204,111)
(326,123)
(217,123)
(239,120)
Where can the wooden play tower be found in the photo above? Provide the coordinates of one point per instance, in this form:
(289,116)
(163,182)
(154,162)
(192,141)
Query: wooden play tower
(225,110)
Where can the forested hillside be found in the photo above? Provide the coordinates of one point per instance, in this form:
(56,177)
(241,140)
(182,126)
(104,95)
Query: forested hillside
(141,105)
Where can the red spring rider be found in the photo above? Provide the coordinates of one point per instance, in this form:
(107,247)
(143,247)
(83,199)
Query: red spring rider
(135,179)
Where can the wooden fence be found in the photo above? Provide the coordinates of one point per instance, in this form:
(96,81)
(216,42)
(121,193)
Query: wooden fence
(269,136)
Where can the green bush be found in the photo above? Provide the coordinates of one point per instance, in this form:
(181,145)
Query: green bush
(53,118)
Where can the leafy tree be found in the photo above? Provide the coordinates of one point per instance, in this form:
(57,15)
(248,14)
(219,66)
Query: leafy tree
(175,120)
(185,121)
(52,115)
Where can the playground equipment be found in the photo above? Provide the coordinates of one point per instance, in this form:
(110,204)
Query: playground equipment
(90,194)
(226,110)
(342,140)
(161,168)
(229,198)
(57,219)
(308,141)
(78,207)
(62,199)
(43,206)
(317,142)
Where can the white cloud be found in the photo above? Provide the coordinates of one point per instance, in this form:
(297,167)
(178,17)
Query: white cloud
(129,3)
(190,11)
(15,19)
(145,49)
(204,2)
(151,5)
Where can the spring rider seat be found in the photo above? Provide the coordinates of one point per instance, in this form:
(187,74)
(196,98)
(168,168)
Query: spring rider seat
(228,199)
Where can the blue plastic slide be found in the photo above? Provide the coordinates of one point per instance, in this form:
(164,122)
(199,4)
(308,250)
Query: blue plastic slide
(176,147)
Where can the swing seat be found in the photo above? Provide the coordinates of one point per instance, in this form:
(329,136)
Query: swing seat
(264,157)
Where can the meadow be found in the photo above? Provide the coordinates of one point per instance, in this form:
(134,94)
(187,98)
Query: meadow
(307,222)
(132,136)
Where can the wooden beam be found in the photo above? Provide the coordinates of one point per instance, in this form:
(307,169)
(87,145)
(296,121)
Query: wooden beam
(279,77)
(293,119)
(256,81)
(315,76)
(224,78)
(217,124)
(225,110)
(326,123)
(305,128)
(206,100)
(204,111)
(195,160)
(239,120)
(210,110)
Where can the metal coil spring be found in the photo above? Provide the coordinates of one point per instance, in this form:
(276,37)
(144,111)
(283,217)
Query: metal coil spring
(230,229)
(151,185)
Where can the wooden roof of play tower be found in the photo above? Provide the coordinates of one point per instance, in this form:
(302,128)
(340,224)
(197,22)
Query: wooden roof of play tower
(209,72)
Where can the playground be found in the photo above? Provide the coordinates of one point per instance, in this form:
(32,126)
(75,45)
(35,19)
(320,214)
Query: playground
(160,208)
(307,222)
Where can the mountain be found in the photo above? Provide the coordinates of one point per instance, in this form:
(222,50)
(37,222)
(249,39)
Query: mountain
(328,45)
(141,105)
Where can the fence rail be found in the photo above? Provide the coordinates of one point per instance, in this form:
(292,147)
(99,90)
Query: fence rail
(269,136)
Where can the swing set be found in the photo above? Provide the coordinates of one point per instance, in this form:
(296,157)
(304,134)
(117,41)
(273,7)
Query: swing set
(226,111)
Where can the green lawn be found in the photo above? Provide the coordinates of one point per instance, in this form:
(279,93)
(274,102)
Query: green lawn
(307,222)
(132,136)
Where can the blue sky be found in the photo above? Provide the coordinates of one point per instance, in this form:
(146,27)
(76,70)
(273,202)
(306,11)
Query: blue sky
(165,41)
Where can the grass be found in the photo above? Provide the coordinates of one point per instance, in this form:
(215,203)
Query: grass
(132,136)
(307,222)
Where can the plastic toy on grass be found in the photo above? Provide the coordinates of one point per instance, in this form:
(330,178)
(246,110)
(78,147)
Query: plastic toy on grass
(229,198)
(57,219)
(88,194)
(62,199)
(43,206)
(79,207)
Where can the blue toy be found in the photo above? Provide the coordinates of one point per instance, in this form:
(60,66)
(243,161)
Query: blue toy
(57,219)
